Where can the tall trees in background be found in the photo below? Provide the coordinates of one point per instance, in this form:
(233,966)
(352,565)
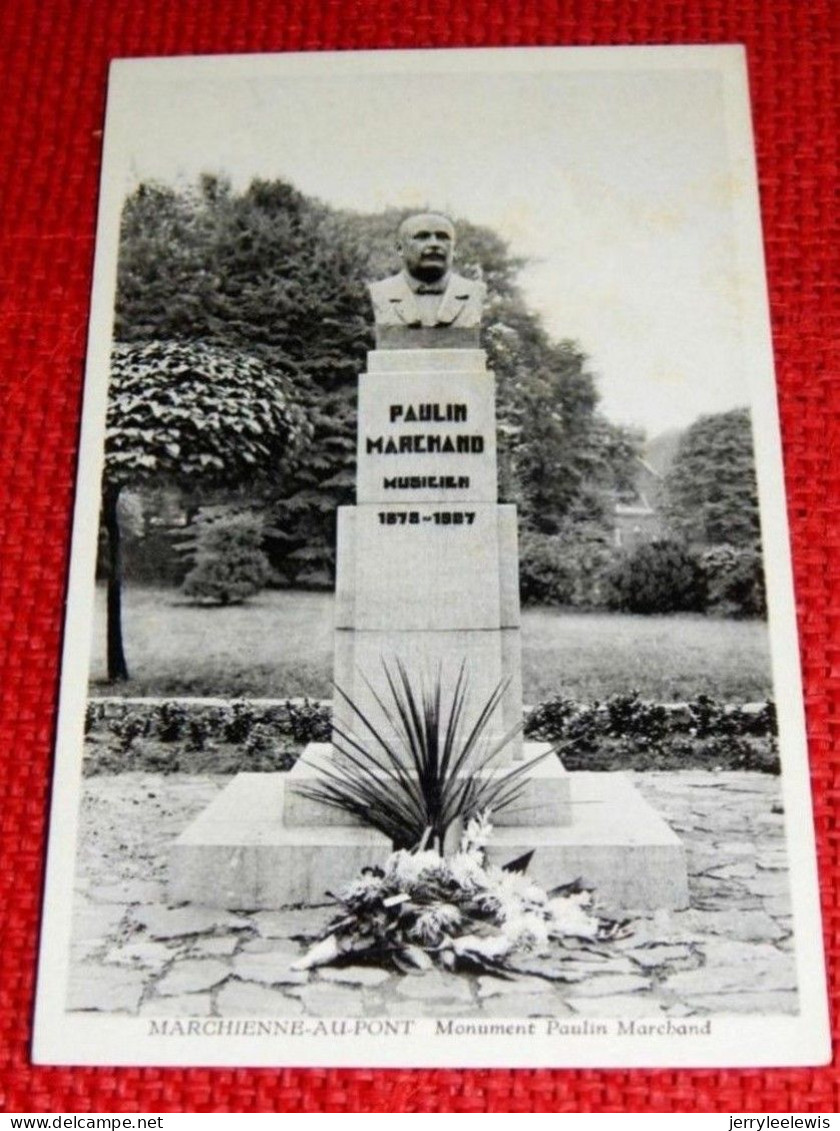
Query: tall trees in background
(270,272)
(277,275)
(711,494)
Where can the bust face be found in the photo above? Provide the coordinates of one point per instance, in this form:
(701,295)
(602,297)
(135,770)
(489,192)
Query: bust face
(426,243)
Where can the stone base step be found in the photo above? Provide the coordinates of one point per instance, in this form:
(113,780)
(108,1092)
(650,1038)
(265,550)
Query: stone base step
(239,855)
(617,844)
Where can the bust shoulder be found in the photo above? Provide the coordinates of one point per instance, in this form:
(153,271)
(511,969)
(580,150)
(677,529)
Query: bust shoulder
(474,289)
(393,286)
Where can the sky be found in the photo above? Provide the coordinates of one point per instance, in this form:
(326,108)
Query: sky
(616,184)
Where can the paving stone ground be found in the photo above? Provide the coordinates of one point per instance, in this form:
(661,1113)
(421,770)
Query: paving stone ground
(732,952)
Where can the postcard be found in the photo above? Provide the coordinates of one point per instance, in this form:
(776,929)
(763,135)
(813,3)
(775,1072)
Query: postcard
(430,692)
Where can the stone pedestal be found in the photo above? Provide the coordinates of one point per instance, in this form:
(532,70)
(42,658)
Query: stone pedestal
(427,559)
(427,416)
(427,575)
(261,846)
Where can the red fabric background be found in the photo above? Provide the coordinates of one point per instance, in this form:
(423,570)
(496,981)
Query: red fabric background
(53,60)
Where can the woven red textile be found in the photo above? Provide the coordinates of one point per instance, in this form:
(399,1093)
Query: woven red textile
(53,60)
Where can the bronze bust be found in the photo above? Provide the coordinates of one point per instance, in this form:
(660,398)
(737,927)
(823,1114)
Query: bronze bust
(427,305)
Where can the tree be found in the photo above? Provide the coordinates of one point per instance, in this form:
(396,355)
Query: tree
(657,577)
(229,564)
(735,581)
(282,276)
(179,413)
(560,460)
(711,495)
(273,272)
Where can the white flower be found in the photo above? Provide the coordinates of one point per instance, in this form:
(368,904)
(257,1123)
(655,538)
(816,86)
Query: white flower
(569,917)
(435,921)
(466,871)
(363,887)
(477,833)
(526,931)
(407,868)
(513,888)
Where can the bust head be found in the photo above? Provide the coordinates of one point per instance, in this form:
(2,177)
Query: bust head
(426,242)
(443,313)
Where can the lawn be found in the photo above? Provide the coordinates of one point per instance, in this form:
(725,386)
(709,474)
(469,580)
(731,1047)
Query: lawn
(280,644)
(669,658)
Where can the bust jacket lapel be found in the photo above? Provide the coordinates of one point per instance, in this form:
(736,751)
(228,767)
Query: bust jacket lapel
(404,304)
(455,299)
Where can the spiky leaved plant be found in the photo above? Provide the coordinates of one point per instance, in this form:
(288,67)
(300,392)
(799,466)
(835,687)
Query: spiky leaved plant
(414,781)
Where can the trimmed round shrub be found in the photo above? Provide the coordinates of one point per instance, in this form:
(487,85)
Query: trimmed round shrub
(132,725)
(230,565)
(568,568)
(198,732)
(94,716)
(657,577)
(545,577)
(238,721)
(631,715)
(590,564)
(548,721)
(735,581)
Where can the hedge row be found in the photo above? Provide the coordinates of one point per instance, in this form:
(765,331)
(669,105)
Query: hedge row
(197,738)
(627,732)
(195,724)
(623,733)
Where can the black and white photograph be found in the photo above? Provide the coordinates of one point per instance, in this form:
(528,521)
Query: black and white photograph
(430,690)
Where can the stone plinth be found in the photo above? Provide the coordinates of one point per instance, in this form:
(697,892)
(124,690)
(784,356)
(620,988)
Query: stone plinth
(248,851)
(402,339)
(434,598)
(427,574)
(419,575)
(427,428)
(427,564)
